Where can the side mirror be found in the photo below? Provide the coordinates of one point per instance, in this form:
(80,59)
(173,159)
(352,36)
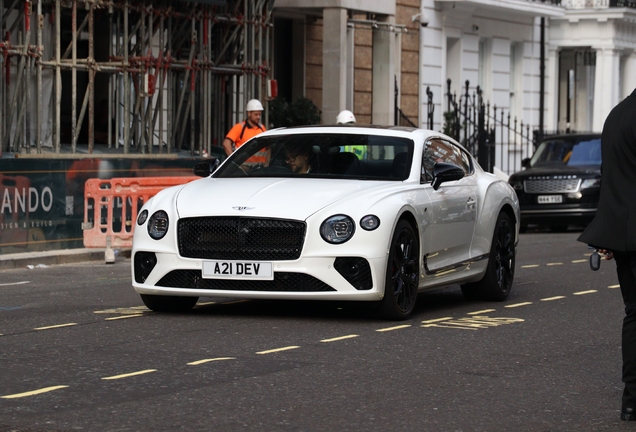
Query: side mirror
(525,162)
(207,167)
(444,172)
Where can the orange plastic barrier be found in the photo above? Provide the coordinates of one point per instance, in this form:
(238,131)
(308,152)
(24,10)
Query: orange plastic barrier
(111,207)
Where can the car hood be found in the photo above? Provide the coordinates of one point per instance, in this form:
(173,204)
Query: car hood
(265,197)
(581,171)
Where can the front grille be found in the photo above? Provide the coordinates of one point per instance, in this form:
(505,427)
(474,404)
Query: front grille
(543,186)
(232,238)
(283,281)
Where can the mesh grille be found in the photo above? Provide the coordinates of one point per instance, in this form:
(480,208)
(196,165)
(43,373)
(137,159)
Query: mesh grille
(552,185)
(290,282)
(234,238)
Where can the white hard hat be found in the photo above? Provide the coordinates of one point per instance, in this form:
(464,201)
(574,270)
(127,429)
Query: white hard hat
(254,105)
(345,117)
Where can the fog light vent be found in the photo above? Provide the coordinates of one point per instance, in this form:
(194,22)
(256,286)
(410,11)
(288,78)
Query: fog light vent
(356,271)
(144,263)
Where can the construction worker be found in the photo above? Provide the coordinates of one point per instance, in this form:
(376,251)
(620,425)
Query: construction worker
(245,130)
(347,117)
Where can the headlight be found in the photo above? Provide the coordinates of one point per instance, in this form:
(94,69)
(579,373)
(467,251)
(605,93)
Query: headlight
(141,219)
(516,185)
(337,229)
(370,222)
(158,225)
(593,182)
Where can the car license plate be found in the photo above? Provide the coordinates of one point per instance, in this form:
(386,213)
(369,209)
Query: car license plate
(550,199)
(247,270)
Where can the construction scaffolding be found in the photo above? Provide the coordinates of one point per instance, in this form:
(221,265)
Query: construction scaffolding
(131,76)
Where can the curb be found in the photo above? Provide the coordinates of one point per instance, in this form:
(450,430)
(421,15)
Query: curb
(55,257)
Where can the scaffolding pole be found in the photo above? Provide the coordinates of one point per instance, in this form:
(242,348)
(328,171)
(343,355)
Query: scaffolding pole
(175,74)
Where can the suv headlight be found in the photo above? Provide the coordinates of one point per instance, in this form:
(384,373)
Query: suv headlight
(516,184)
(158,225)
(337,229)
(589,183)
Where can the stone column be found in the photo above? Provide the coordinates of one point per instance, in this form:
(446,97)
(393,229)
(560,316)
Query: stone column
(384,47)
(606,85)
(334,63)
(551,121)
(629,75)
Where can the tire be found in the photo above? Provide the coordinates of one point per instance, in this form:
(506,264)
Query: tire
(169,303)
(497,281)
(402,274)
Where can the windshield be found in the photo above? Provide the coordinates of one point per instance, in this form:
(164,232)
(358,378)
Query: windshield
(567,152)
(351,156)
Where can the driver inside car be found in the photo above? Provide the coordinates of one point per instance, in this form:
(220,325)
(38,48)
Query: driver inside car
(298,159)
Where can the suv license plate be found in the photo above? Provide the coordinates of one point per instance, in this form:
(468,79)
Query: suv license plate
(248,270)
(550,199)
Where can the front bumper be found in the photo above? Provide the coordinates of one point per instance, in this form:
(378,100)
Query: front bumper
(324,278)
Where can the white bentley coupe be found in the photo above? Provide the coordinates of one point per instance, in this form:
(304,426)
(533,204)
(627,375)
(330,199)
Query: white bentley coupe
(357,213)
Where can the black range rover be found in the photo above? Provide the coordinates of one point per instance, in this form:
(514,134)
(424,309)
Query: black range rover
(560,184)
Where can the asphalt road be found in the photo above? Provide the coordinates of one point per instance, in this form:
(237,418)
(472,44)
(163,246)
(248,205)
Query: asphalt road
(78,351)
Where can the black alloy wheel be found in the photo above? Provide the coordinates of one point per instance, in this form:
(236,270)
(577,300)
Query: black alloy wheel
(402,274)
(497,281)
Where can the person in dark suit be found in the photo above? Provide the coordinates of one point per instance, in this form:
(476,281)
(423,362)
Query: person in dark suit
(613,230)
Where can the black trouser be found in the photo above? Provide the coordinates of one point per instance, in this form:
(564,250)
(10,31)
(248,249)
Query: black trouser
(626,270)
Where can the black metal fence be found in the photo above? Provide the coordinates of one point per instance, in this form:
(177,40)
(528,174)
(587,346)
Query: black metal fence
(490,133)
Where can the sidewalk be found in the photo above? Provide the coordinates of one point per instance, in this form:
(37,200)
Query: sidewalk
(63,256)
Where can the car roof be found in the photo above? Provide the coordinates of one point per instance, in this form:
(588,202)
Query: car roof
(401,131)
(573,136)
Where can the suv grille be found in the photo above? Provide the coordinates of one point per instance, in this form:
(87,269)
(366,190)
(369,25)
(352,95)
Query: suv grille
(552,186)
(235,238)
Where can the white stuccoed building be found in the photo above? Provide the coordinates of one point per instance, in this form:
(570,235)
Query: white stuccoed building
(379,57)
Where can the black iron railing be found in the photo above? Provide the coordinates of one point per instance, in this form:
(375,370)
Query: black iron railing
(491,134)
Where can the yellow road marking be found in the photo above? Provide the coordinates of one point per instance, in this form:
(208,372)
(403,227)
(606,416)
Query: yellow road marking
(584,292)
(578,261)
(340,338)
(552,298)
(530,266)
(55,326)
(614,286)
(518,304)
(437,320)
(34,392)
(481,312)
(198,362)
(127,311)
(123,316)
(474,323)
(554,264)
(278,349)
(394,328)
(448,326)
(114,377)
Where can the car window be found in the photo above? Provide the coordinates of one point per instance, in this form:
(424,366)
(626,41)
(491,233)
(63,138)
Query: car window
(568,151)
(327,155)
(439,150)
(586,153)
